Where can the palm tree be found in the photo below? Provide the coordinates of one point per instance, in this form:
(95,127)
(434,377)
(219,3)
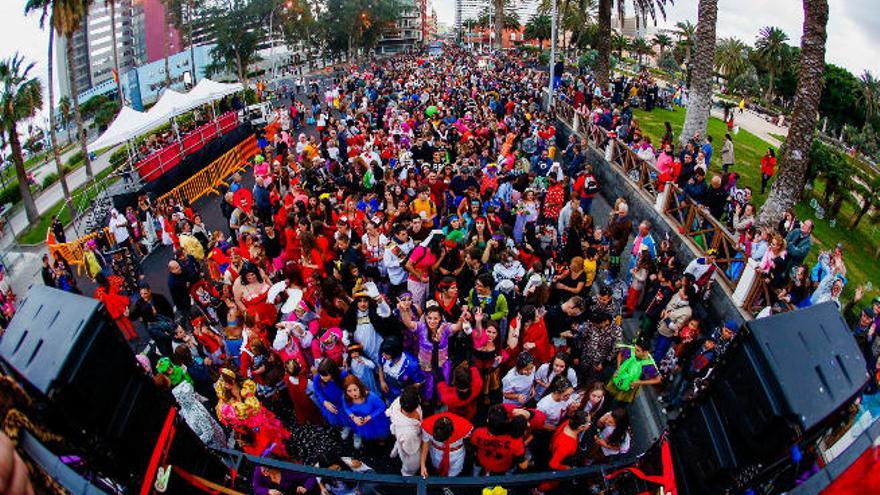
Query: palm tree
(686,33)
(642,9)
(64,108)
(700,96)
(790,179)
(68,16)
(731,58)
(118,75)
(168,6)
(619,43)
(43,7)
(641,48)
(499,23)
(869,98)
(870,199)
(661,41)
(774,52)
(538,28)
(20,97)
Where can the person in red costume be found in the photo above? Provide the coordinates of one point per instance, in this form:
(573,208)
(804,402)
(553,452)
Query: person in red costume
(497,450)
(443,440)
(116,304)
(529,333)
(461,396)
(564,445)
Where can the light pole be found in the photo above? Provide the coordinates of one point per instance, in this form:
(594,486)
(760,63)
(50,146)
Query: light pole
(552,55)
(272,35)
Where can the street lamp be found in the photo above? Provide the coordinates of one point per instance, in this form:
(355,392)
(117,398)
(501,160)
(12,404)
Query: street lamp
(272,35)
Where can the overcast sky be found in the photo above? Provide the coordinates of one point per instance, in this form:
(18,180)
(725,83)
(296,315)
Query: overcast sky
(850,27)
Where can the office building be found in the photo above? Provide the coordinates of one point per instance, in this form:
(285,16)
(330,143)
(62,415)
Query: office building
(140,39)
(471,10)
(409,31)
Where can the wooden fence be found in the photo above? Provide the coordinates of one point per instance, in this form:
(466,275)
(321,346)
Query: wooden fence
(692,220)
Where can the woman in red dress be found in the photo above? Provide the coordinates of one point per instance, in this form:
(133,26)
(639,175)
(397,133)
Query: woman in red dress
(529,333)
(250,291)
(116,304)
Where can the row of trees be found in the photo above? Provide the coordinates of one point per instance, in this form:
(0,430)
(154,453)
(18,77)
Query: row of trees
(333,26)
(696,47)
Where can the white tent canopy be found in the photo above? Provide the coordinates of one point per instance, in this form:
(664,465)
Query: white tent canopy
(130,123)
(207,90)
(120,129)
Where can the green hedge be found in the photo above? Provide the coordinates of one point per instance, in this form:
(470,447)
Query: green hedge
(119,156)
(49,179)
(10,194)
(74,159)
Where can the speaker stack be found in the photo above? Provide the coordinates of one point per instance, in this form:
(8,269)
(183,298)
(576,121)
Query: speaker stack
(74,362)
(784,383)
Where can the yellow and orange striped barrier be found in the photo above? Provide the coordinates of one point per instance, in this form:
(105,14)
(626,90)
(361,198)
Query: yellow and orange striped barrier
(204,182)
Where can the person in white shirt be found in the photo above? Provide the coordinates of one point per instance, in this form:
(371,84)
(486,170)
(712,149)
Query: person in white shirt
(547,372)
(406,426)
(565,214)
(119,226)
(518,385)
(557,403)
(394,258)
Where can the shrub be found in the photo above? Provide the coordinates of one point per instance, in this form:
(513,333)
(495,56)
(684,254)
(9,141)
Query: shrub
(74,159)
(50,179)
(119,156)
(10,194)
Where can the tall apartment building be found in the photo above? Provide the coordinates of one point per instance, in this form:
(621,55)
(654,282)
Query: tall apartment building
(140,39)
(471,10)
(409,30)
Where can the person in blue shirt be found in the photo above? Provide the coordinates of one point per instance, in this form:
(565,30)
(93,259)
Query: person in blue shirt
(327,385)
(707,150)
(366,411)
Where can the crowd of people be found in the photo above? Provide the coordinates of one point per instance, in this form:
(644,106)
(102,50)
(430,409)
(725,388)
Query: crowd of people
(417,269)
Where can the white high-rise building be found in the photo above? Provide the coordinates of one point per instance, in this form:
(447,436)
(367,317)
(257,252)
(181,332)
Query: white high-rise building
(469,10)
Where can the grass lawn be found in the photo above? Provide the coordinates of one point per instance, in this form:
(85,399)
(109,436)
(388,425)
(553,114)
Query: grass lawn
(36,233)
(748,148)
(859,244)
(780,137)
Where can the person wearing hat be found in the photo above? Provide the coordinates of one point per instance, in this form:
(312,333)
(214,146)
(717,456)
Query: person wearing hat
(368,320)
(724,335)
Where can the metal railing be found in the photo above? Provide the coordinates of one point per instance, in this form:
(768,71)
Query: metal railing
(383,483)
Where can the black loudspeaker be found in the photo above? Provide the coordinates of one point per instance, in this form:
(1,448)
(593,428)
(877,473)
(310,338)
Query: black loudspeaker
(781,384)
(73,360)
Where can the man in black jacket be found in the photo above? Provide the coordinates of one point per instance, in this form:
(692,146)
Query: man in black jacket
(178,287)
(157,316)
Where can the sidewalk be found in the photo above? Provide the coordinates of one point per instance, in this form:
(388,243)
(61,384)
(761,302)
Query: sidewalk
(23,261)
(755,124)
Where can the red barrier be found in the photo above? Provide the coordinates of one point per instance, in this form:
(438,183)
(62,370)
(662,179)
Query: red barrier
(193,142)
(159,162)
(150,167)
(228,121)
